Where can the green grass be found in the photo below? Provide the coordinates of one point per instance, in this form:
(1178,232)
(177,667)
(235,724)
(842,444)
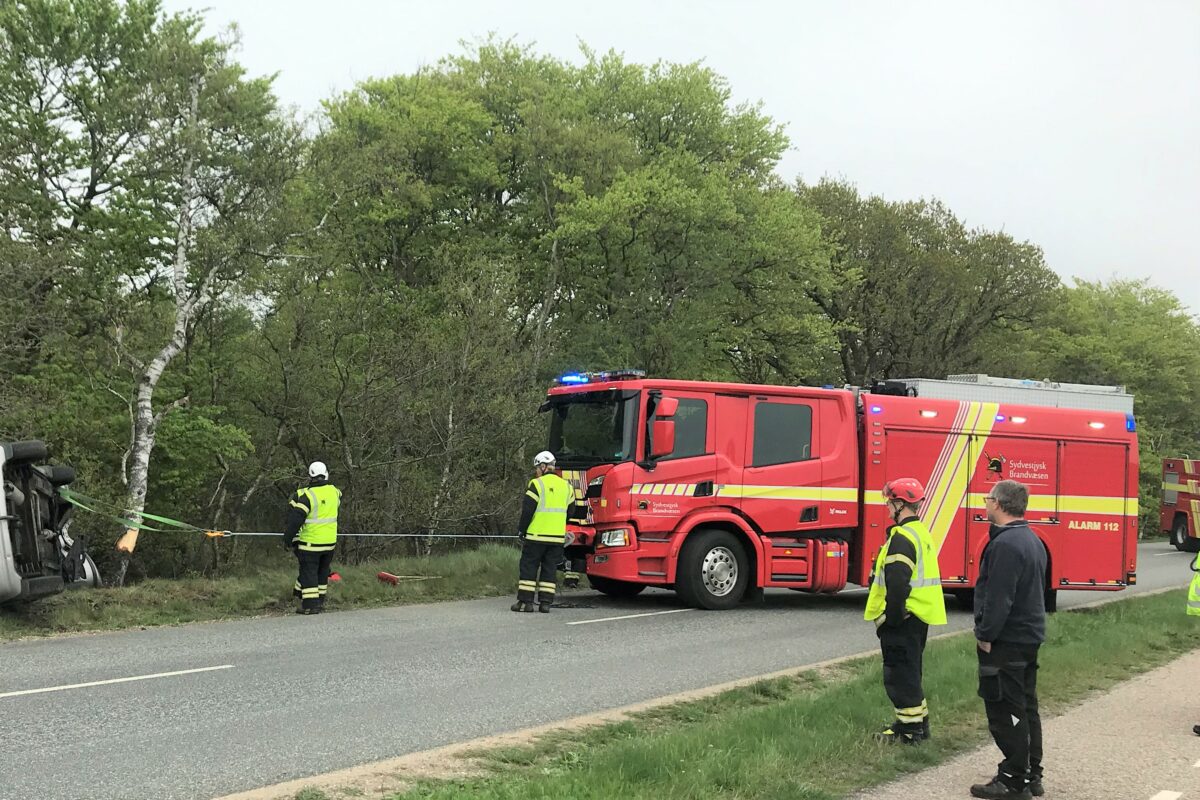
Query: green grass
(488,571)
(808,737)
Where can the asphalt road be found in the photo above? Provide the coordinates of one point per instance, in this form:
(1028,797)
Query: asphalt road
(297,696)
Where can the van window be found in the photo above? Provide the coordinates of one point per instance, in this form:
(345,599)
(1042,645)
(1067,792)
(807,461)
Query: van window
(782,433)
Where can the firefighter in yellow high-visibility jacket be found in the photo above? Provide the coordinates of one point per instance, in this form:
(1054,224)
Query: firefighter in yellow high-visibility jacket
(1193,604)
(543,531)
(311,533)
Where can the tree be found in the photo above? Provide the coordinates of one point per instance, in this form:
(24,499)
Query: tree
(916,293)
(144,159)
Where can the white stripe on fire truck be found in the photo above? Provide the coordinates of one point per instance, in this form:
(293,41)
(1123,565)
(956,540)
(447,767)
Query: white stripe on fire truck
(952,488)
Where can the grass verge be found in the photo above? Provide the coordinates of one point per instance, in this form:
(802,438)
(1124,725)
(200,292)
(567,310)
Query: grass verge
(488,571)
(807,737)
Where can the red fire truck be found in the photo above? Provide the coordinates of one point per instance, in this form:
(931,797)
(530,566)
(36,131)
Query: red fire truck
(719,490)
(1180,516)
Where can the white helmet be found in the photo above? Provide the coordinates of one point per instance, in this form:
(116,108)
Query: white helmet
(317,469)
(544,457)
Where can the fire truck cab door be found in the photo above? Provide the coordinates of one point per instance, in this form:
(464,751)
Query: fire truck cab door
(683,481)
(781,488)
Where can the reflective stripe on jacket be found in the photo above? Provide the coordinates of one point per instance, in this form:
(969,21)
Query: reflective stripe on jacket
(925,597)
(553,496)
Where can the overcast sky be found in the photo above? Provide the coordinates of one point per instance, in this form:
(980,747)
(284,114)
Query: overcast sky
(1075,125)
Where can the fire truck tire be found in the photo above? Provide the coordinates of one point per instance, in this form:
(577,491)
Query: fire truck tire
(615,588)
(1179,534)
(965,598)
(1051,599)
(713,570)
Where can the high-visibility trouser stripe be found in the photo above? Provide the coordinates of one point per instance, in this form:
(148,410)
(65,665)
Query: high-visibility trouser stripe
(546,588)
(322,588)
(569,575)
(309,547)
(309,592)
(297,587)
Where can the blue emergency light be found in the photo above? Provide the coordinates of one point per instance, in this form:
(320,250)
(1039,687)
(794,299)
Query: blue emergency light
(580,378)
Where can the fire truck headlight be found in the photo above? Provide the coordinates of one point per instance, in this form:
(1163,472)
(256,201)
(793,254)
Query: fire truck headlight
(614,538)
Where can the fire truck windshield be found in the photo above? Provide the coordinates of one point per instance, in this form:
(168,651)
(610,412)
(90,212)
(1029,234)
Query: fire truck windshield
(593,428)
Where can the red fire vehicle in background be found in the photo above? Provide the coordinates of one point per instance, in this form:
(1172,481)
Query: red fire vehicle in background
(719,490)
(1180,517)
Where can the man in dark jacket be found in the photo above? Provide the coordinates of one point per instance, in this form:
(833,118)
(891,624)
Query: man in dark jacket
(1010,626)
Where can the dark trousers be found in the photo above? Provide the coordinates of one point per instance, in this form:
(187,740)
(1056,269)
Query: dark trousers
(1008,686)
(539,562)
(574,564)
(313,581)
(903,649)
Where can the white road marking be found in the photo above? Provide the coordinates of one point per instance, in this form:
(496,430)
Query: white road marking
(631,616)
(114,680)
(1169,554)
(1167,796)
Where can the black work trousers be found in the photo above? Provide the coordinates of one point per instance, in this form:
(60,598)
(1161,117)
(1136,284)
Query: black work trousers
(903,649)
(1008,686)
(313,581)
(539,563)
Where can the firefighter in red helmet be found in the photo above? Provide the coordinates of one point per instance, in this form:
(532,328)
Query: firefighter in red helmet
(904,600)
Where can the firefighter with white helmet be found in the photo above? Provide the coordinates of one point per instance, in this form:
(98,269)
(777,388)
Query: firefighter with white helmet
(311,533)
(905,599)
(543,531)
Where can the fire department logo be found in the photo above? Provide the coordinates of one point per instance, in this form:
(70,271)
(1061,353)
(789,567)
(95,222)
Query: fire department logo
(995,465)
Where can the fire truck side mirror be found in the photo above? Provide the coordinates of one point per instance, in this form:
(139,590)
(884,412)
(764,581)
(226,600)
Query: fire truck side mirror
(667,406)
(663,443)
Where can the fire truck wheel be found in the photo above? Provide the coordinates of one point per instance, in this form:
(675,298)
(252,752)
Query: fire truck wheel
(713,570)
(615,588)
(1179,535)
(1051,600)
(965,598)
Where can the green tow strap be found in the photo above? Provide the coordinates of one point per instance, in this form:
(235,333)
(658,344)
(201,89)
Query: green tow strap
(89,504)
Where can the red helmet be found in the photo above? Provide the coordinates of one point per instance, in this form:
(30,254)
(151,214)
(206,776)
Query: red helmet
(909,490)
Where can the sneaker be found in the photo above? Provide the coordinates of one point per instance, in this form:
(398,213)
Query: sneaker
(521,605)
(997,788)
(544,607)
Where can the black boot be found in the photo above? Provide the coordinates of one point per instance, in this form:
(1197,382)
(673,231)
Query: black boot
(897,734)
(544,606)
(997,789)
(522,605)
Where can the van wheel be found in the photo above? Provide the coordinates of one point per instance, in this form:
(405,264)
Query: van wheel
(1179,535)
(713,570)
